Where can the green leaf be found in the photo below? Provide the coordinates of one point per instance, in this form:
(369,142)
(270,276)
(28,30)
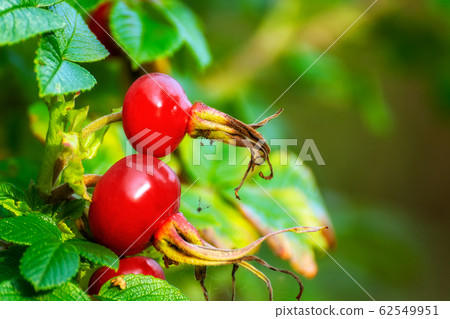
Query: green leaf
(13,199)
(111,151)
(16,289)
(28,230)
(76,118)
(56,72)
(56,75)
(290,199)
(46,3)
(261,209)
(142,288)
(87,5)
(92,143)
(22,19)
(73,209)
(220,222)
(188,27)
(9,262)
(12,286)
(76,40)
(95,253)
(73,175)
(67,292)
(66,232)
(143,33)
(101,298)
(214,162)
(267,205)
(49,264)
(9,191)
(35,201)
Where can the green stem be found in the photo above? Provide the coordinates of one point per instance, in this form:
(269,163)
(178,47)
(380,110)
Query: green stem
(58,109)
(94,126)
(101,122)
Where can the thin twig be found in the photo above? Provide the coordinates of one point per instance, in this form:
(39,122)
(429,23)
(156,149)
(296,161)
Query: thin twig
(100,123)
(200,275)
(64,191)
(233,281)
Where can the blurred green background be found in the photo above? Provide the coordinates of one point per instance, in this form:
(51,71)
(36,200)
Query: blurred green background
(377,105)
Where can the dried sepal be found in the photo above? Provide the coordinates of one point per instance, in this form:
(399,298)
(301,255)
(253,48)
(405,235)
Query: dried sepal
(207,122)
(180,242)
(119,282)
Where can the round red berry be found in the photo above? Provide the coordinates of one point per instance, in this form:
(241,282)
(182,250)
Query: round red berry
(155,114)
(130,265)
(131,200)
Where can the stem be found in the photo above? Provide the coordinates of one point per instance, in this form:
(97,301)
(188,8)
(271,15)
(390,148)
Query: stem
(200,276)
(58,167)
(64,191)
(57,118)
(233,281)
(101,122)
(94,126)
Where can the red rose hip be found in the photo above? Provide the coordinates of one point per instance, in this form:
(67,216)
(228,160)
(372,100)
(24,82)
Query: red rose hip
(131,265)
(155,114)
(98,23)
(131,200)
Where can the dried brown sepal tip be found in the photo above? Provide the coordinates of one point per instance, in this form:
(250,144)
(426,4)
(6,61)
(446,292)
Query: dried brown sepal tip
(119,282)
(207,122)
(180,242)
